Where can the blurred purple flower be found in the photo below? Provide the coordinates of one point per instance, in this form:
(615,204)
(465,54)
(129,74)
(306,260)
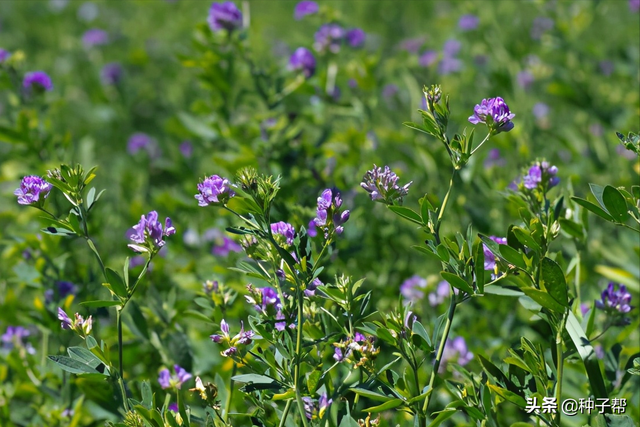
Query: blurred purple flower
(138,141)
(305,8)
(356,37)
(173,407)
(65,288)
(606,68)
(39,79)
(533,178)
(95,37)
(214,189)
(494,159)
(627,154)
(468,22)
(302,59)
(186,149)
(224,16)
(31,189)
(596,130)
(457,349)
(15,336)
(412,45)
(311,231)
(495,113)
(389,91)
(329,38)
(4,55)
(111,74)
(228,245)
(541,25)
(440,295)
(449,65)
(525,79)
(540,110)
(428,58)
(311,287)
(166,380)
(451,47)
(413,288)
(284,229)
(489,257)
(584,308)
(634,5)
(615,300)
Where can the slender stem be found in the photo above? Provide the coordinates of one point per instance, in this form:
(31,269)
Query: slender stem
(227,406)
(287,407)
(486,138)
(296,371)
(560,357)
(577,276)
(120,366)
(443,341)
(443,207)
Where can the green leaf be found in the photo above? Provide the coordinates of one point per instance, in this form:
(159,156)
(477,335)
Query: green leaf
(512,256)
(544,299)
(457,282)
(370,394)
(614,420)
(597,191)
(615,203)
(479,268)
(253,378)
(100,303)
(406,213)
(427,251)
(587,354)
(509,396)
(394,403)
(73,366)
(525,238)
(84,356)
(197,126)
(553,280)
(117,284)
(593,208)
(419,330)
(571,228)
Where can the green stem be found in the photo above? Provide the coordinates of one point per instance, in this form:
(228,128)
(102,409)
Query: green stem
(486,138)
(443,207)
(560,357)
(443,341)
(296,371)
(227,405)
(120,365)
(287,407)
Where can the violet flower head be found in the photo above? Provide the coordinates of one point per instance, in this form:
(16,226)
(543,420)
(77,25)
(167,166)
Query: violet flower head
(541,175)
(413,288)
(4,55)
(382,185)
(451,48)
(228,245)
(525,79)
(186,149)
(615,300)
(457,349)
(173,407)
(15,334)
(634,5)
(65,288)
(323,405)
(305,8)
(329,38)
(494,159)
(441,294)
(412,45)
(311,231)
(285,230)
(449,65)
(38,80)
(95,37)
(224,16)
(533,178)
(302,59)
(111,74)
(311,287)
(356,37)
(328,215)
(428,58)
(33,190)
(166,380)
(138,141)
(489,257)
(389,91)
(468,22)
(540,110)
(66,322)
(214,190)
(148,234)
(495,113)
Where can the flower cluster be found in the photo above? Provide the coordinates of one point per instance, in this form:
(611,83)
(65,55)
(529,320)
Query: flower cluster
(305,8)
(615,301)
(468,22)
(442,292)
(166,380)
(285,230)
(382,186)
(541,174)
(141,141)
(95,37)
(267,302)
(331,36)
(15,337)
(214,190)
(302,59)
(38,80)
(328,215)
(490,258)
(79,325)
(316,410)
(413,288)
(224,16)
(495,113)
(148,235)
(33,190)
(359,350)
(243,337)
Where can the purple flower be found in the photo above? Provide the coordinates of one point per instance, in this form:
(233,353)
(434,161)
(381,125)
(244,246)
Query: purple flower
(210,286)
(584,308)
(489,257)
(457,348)
(139,141)
(495,113)
(65,288)
(413,288)
(224,16)
(540,25)
(356,37)
(541,172)
(441,294)
(166,380)
(111,74)
(173,407)
(186,149)
(39,79)
(228,245)
(389,91)
(148,234)
(449,65)
(95,37)
(451,47)
(311,231)
(412,45)
(323,404)
(305,8)
(329,38)
(66,322)
(634,5)
(214,189)
(15,334)
(533,178)
(339,355)
(525,79)
(4,55)
(31,189)
(613,300)
(284,229)
(243,337)
(302,59)
(540,110)
(468,22)
(309,407)
(494,159)
(381,184)
(328,213)
(428,58)
(311,287)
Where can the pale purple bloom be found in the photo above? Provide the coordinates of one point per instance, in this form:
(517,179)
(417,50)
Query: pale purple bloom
(356,37)
(15,334)
(413,288)
(599,351)
(138,141)
(311,287)
(494,159)
(489,257)
(323,403)
(382,185)
(457,348)
(95,37)
(228,245)
(229,352)
(634,5)
(339,355)
(412,45)
(428,58)
(39,79)
(224,16)
(540,110)
(451,47)
(449,65)
(305,8)
(584,308)
(311,231)
(149,233)
(606,68)
(4,55)
(309,407)
(410,319)
(166,380)
(66,322)
(533,178)
(214,189)
(468,22)
(65,288)
(540,25)
(186,149)
(284,229)
(389,90)
(615,300)
(302,59)
(440,295)
(329,38)
(358,337)
(627,154)
(525,79)
(33,189)
(111,74)
(67,413)
(495,113)
(88,11)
